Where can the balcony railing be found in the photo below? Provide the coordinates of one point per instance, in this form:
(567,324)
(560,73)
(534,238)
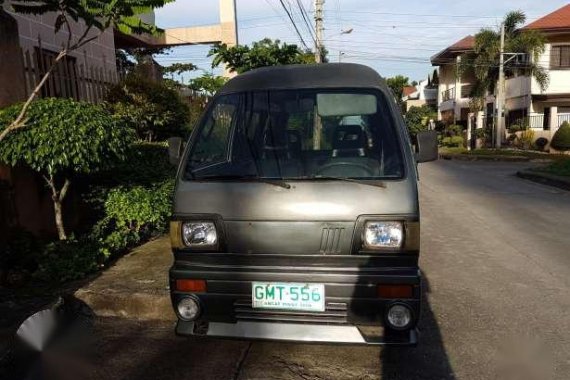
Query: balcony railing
(534,121)
(448,95)
(562,117)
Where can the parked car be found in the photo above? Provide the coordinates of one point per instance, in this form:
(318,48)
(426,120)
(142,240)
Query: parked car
(292,222)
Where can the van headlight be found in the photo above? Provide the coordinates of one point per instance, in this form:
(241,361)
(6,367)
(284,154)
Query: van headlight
(199,234)
(381,234)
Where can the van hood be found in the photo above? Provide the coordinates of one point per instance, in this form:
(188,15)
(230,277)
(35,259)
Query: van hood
(304,201)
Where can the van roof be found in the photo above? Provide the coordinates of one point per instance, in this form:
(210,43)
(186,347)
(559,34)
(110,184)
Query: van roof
(287,77)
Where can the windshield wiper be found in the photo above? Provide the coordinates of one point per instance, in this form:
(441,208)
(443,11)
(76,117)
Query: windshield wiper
(359,181)
(247,177)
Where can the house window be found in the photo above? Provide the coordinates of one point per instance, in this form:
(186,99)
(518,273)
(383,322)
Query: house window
(560,57)
(63,81)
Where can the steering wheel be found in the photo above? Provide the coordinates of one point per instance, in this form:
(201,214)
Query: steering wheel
(343,165)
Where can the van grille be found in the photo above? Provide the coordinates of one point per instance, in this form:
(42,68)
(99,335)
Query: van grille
(335,313)
(330,240)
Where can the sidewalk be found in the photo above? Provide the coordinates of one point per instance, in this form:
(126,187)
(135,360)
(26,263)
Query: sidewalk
(136,286)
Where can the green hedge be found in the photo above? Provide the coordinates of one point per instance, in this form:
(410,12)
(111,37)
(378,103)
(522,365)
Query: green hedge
(561,139)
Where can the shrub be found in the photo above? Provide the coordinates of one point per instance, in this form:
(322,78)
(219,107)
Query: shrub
(481,133)
(453,141)
(62,139)
(526,139)
(69,260)
(140,207)
(561,139)
(517,128)
(541,143)
(154,110)
(453,130)
(417,119)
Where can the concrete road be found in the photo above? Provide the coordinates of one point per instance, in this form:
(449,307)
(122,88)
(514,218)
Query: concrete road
(496,258)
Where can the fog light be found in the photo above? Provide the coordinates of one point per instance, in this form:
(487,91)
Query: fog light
(399,316)
(188,309)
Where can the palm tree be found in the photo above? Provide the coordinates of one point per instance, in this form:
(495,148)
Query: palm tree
(483,61)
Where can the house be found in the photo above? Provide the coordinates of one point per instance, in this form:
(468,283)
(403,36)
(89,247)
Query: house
(422,94)
(525,102)
(453,93)
(30,44)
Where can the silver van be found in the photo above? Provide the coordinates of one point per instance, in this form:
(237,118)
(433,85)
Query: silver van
(296,214)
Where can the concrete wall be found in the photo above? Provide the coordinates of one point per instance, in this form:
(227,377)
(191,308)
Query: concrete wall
(559,79)
(11,65)
(99,53)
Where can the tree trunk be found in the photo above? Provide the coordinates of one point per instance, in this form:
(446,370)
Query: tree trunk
(58,211)
(58,196)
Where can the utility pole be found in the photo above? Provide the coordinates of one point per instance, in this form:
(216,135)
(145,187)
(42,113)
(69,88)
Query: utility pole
(319,30)
(501,93)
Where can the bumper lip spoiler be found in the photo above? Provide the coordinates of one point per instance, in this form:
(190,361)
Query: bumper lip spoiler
(296,332)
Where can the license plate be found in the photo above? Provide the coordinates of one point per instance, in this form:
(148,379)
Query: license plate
(288,296)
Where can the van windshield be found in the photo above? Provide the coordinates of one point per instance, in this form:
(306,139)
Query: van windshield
(288,134)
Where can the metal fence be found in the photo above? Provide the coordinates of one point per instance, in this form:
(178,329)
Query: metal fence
(70,78)
(448,94)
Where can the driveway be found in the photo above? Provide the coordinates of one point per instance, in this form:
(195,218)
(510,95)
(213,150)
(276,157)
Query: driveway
(496,260)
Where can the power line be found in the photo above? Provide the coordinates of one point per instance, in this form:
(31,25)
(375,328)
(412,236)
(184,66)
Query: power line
(294,24)
(305,16)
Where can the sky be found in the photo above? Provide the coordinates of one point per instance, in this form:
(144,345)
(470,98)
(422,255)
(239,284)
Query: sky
(393,37)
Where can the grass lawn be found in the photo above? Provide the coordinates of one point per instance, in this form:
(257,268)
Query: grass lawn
(532,154)
(559,167)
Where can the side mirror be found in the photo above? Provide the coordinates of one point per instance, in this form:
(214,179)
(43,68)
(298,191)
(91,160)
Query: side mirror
(427,149)
(174,149)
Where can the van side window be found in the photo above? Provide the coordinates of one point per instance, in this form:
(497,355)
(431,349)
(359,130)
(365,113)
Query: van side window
(212,143)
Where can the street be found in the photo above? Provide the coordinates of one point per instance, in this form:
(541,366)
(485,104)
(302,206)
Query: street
(496,263)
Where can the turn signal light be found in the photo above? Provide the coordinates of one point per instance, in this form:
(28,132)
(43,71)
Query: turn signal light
(395,291)
(194,286)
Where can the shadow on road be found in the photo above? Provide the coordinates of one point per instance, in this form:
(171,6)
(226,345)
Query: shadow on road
(428,360)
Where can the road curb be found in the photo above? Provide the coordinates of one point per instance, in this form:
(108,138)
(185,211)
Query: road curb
(545,178)
(490,157)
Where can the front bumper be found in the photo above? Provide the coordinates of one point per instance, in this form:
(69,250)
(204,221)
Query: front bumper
(354,314)
(295,332)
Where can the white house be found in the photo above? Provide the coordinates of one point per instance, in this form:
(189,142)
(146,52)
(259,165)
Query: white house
(525,101)
(422,94)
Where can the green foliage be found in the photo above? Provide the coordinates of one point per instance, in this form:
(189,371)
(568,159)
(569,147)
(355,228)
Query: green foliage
(179,68)
(63,137)
(452,141)
(242,58)
(141,207)
(120,14)
(453,130)
(69,260)
(208,83)
(561,139)
(481,133)
(132,202)
(417,118)
(154,110)
(517,128)
(397,85)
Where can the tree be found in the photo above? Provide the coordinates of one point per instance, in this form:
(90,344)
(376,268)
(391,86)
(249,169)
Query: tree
(153,109)
(97,16)
(208,83)
(67,138)
(435,78)
(179,68)
(242,58)
(483,62)
(417,119)
(397,85)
